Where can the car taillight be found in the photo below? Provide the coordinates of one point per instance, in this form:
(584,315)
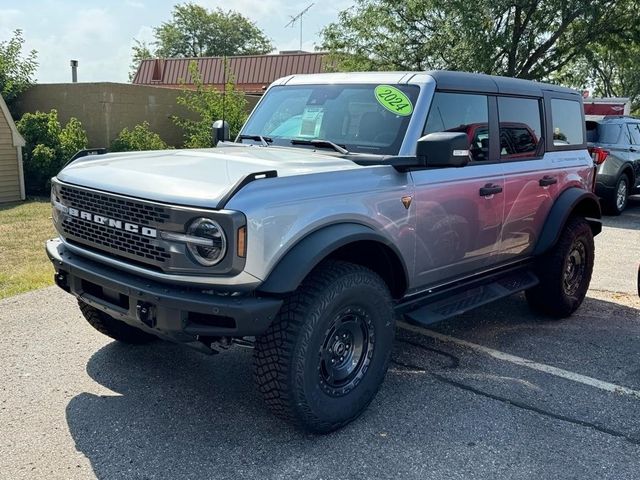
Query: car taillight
(599,155)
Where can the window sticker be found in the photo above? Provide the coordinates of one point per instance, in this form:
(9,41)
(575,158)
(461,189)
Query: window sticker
(311,121)
(393,100)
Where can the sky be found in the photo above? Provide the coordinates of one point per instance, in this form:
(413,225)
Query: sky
(100,34)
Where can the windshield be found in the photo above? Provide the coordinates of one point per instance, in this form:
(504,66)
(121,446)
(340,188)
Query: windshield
(361,118)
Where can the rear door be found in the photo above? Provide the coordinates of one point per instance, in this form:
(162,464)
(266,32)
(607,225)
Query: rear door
(458,210)
(530,186)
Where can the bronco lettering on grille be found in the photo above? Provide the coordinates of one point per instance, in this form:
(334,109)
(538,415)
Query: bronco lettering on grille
(109,222)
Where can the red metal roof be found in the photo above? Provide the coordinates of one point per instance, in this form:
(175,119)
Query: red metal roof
(251,72)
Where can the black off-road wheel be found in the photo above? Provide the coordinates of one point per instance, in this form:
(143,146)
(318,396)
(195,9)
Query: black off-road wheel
(564,272)
(113,328)
(617,201)
(324,357)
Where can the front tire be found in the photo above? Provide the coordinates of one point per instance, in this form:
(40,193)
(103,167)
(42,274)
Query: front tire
(113,328)
(564,272)
(324,357)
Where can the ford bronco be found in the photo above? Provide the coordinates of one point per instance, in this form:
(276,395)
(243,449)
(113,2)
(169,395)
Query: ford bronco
(346,201)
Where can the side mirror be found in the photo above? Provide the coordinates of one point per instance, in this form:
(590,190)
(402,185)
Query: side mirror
(220,132)
(443,149)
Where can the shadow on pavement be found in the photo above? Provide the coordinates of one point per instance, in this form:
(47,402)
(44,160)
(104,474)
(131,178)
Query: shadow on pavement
(630,217)
(177,413)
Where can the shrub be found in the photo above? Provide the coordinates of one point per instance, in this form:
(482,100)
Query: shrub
(138,138)
(48,147)
(72,138)
(211,105)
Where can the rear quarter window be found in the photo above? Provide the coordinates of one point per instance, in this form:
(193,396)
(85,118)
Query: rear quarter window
(609,133)
(567,119)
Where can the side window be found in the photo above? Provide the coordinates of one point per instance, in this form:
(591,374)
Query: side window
(567,121)
(634,131)
(520,127)
(462,112)
(610,133)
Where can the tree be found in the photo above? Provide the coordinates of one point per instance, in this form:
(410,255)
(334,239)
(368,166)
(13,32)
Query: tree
(194,31)
(140,51)
(211,105)
(608,69)
(519,38)
(16,70)
(48,147)
(138,138)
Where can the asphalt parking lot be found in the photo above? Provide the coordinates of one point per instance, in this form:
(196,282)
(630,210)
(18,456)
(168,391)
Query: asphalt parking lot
(496,393)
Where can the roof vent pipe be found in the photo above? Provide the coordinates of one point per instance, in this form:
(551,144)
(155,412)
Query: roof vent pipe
(74,71)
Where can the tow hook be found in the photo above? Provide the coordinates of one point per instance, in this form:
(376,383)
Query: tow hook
(61,280)
(146,313)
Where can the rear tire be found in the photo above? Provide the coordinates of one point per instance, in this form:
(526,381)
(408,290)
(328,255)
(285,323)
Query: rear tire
(113,328)
(324,357)
(617,201)
(564,272)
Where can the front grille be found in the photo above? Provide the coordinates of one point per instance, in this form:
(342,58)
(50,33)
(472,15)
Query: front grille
(126,242)
(112,207)
(114,241)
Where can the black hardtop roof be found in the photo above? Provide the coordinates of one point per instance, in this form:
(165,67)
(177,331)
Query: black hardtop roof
(479,82)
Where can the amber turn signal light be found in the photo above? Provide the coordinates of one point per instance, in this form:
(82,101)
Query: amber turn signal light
(242,242)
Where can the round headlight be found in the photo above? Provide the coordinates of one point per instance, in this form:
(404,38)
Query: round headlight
(213,246)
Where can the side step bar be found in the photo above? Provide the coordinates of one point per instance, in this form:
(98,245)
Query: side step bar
(464,298)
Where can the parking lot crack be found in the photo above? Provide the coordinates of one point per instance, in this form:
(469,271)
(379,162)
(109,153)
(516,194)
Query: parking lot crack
(518,404)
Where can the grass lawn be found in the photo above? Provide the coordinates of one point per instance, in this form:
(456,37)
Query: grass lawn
(24,227)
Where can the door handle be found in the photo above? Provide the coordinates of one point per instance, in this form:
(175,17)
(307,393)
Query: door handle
(490,189)
(632,149)
(547,180)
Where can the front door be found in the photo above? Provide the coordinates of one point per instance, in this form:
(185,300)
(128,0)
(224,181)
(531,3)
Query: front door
(459,211)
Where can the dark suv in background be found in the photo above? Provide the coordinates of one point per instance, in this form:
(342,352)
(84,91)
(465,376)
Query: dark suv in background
(614,142)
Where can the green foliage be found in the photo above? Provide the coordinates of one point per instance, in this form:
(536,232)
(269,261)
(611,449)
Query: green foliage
(72,138)
(48,147)
(210,105)
(194,31)
(532,39)
(16,70)
(608,70)
(138,138)
(140,51)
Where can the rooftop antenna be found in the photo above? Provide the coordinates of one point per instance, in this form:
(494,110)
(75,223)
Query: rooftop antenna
(295,18)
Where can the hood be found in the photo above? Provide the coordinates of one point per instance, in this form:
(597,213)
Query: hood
(192,177)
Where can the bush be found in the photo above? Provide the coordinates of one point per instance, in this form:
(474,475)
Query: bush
(139,138)
(72,138)
(211,105)
(48,147)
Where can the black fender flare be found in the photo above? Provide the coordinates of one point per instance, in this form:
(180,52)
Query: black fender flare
(572,201)
(308,252)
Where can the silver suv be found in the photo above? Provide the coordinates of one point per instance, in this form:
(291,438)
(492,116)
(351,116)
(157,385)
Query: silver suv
(347,201)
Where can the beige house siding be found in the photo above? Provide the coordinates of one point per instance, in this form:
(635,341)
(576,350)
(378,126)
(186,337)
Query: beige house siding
(11,179)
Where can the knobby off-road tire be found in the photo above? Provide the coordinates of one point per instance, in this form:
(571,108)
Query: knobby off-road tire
(564,272)
(324,357)
(616,202)
(114,328)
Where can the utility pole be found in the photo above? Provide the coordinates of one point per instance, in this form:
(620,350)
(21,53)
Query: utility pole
(297,17)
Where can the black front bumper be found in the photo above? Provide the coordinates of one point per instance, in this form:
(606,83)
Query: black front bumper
(177,313)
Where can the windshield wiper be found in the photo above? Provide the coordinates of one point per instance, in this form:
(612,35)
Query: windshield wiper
(258,138)
(322,144)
